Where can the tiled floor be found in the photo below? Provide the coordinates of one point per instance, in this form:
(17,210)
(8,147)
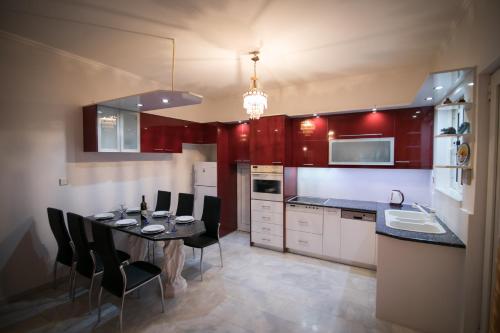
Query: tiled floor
(256,291)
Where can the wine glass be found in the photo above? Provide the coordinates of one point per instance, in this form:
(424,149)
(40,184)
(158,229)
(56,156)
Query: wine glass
(123,209)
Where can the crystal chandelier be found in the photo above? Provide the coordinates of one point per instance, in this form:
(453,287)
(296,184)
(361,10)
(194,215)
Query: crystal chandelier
(255,99)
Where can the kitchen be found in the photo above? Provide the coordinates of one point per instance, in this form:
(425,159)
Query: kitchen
(362,185)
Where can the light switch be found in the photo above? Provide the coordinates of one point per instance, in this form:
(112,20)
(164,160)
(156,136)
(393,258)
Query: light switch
(63,181)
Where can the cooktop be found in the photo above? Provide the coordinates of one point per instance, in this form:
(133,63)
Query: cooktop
(308,200)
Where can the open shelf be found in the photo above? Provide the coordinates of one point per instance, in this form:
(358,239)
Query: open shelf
(452,135)
(466,106)
(463,167)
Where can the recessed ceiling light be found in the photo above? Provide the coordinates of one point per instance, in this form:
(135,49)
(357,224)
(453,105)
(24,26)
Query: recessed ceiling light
(438,87)
(164,100)
(428,98)
(315,115)
(414,116)
(239,121)
(139,105)
(417,112)
(374,110)
(470,84)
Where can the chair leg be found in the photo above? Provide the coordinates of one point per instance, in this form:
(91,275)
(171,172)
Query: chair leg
(55,274)
(201,264)
(74,287)
(162,297)
(90,291)
(72,272)
(193,253)
(220,252)
(121,313)
(99,305)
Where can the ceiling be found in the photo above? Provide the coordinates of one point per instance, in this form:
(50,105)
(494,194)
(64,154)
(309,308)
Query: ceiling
(300,41)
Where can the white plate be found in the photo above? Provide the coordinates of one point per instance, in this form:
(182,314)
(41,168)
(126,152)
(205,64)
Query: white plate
(184,219)
(125,222)
(104,216)
(153,229)
(133,210)
(160,213)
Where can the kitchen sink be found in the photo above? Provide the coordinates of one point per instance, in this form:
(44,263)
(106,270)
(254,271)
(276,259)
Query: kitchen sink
(412,221)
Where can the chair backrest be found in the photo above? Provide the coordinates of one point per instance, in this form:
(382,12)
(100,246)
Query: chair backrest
(85,264)
(163,200)
(211,215)
(185,204)
(64,250)
(112,279)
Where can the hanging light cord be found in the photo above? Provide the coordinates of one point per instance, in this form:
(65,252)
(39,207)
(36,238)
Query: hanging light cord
(104,26)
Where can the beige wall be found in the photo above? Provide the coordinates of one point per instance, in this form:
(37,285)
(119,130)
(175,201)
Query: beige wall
(42,92)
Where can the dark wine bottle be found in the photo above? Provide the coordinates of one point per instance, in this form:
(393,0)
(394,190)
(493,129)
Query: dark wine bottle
(144,212)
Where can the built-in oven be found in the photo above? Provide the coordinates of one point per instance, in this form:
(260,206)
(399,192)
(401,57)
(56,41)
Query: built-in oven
(267,182)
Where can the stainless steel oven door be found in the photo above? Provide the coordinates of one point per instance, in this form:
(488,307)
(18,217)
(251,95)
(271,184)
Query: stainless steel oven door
(267,186)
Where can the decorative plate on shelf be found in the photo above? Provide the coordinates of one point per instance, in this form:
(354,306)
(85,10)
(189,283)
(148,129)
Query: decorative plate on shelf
(463,154)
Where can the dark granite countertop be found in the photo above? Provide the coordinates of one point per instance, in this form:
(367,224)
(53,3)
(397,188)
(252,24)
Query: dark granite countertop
(446,239)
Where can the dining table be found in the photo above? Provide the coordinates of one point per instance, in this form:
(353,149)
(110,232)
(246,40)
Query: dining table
(173,237)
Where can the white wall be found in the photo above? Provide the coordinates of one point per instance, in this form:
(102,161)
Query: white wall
(42,92)
(365,184)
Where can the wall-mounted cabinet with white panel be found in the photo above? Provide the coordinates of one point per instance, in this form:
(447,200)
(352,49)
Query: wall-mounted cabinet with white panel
(117,130)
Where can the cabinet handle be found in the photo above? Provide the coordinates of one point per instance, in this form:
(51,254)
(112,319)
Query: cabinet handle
(157,149)
(303,241)
(308,164)
(303,222)
(351,135)
(266,207)
(266,229)
(265,239)
(168,150)
(276,162)
(402,161)
(266,218)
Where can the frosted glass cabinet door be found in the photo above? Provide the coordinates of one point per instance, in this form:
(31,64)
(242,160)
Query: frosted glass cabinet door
(108,130)
(129,131)
(379,151)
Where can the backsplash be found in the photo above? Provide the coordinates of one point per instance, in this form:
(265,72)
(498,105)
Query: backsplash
(365,184)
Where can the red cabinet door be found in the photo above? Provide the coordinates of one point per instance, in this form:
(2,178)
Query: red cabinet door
(193,133)
(239,143)
(171,139)
(312,153)
(307,129)
(260,152)
(414,138)
(360,125)
(276,140)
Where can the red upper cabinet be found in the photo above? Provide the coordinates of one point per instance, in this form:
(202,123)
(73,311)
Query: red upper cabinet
(160,134)
(193,133)
(360,125)
(307,129)
(310,142)
(414,138)
(239,143)
(268,136)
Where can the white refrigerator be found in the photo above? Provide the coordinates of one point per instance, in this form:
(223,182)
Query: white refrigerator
(205,183)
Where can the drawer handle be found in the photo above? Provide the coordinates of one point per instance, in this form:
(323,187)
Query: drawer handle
(308,164)
(266,229)
(265,239)
(276,162)
(266,207)
(266,218)
(303,222)
(303,242)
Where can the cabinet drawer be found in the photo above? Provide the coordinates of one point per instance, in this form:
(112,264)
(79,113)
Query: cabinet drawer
(267,228)
(310,220)
(269,240)
(267,206)
(263,217)
(304,241)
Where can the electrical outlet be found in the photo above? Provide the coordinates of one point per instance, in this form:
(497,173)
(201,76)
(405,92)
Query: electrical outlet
(63,181)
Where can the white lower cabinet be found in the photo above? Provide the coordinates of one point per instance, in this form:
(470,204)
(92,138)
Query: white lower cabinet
(304,242)
(267,223)
(357,241)
(331,233)
(267,240)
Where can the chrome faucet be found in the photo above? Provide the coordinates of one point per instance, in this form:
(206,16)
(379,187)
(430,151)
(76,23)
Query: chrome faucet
(429,212)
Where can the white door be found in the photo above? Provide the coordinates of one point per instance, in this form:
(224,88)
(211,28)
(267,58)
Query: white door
(243,180)
(205,174)
(199,195)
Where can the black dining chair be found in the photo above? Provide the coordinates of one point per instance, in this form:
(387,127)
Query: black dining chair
(185,204)
(211,218)
(88,263)
(163,200)
(65,247)
(120,279)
